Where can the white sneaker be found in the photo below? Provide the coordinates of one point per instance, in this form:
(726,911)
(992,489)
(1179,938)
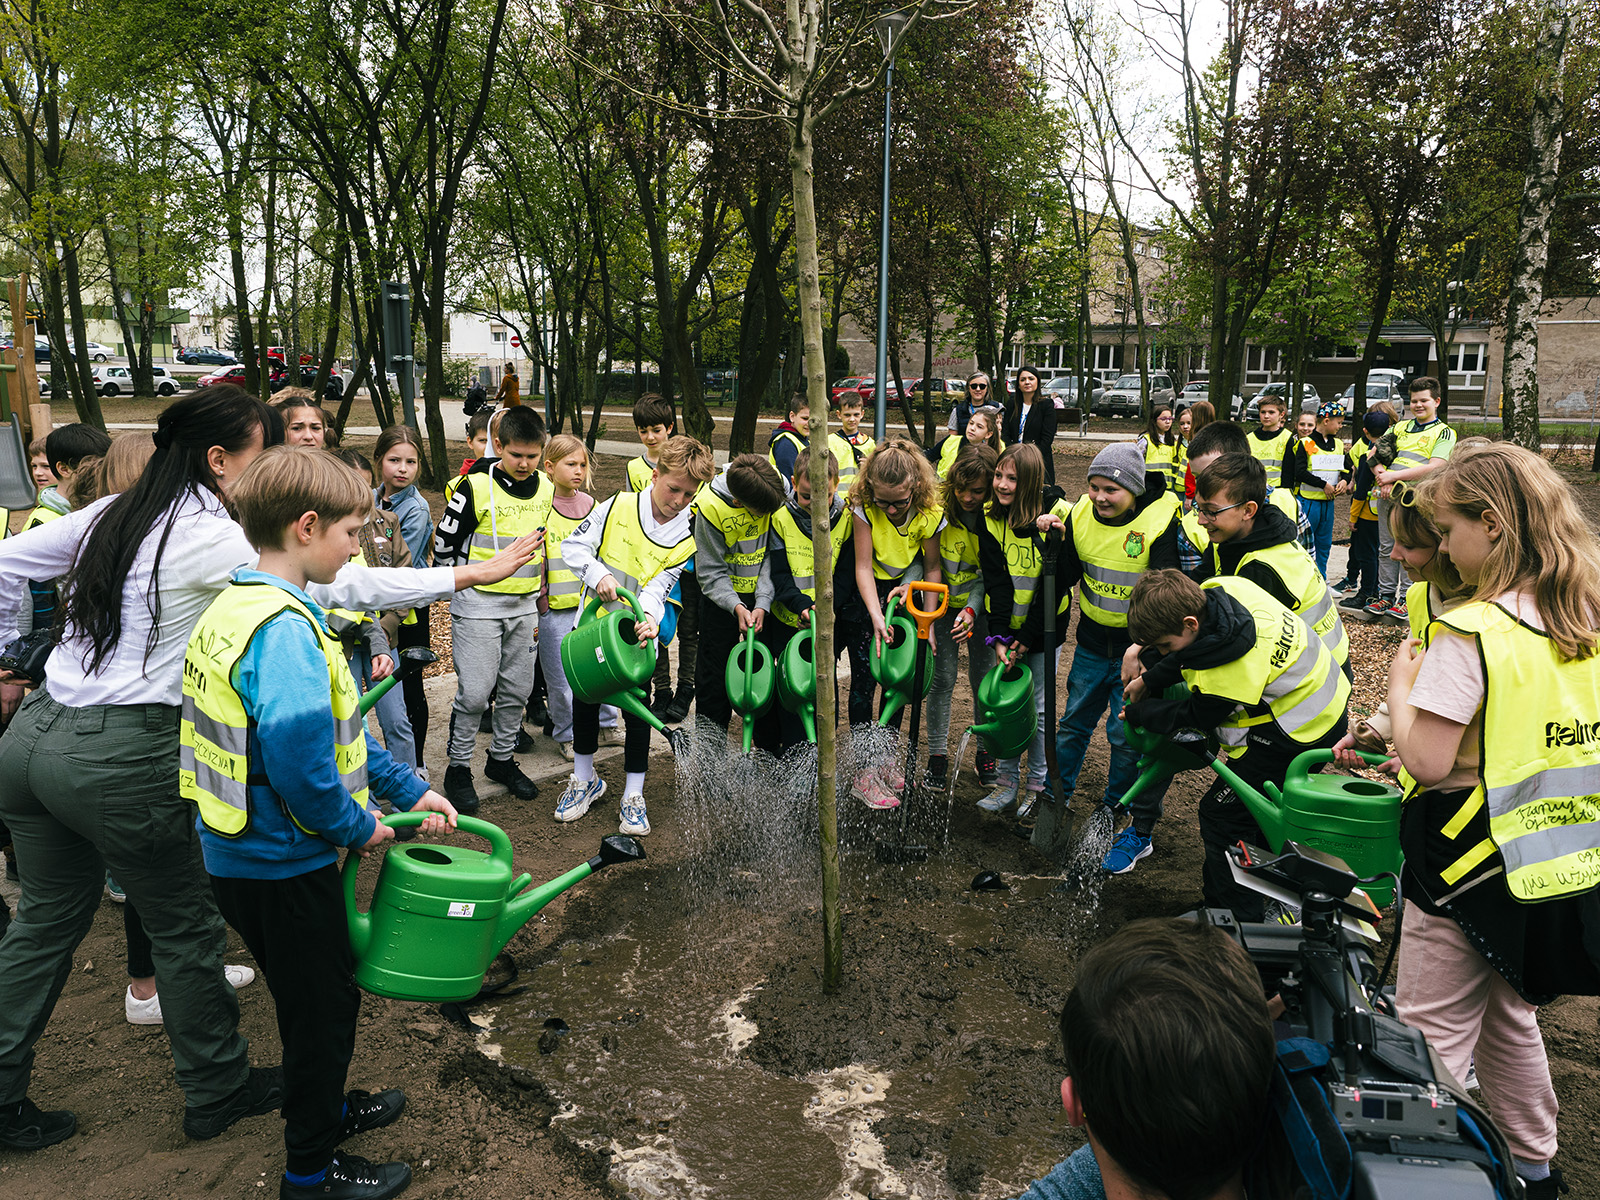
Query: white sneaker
(148,1012)
(635,821)
(566,750)
(577,796)
(1003,796)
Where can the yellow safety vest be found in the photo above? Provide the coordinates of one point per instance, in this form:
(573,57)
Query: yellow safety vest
(849,461)
(1287,677)
(1024,562)
(744,534)
(1542,780)
(641,474)
(631,555)
(798,551)
(1115,556)
(1420,617)
(1309,445)
(1313,597)
(562,585)
(1271,454)
(38,517)
(214,736)
(895,548)
(1415,445)
(799,445)
(948,452)
(958,561)
(1165,460)
(344,622)
(501,519)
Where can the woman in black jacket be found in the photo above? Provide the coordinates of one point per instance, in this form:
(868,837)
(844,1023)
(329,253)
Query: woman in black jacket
(1031,417)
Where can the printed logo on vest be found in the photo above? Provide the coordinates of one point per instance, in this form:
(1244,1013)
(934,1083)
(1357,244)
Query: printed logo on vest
(1579,733)
(1133,544)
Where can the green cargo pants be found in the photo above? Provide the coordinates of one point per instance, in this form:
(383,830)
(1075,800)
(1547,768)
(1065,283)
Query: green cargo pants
(87,790)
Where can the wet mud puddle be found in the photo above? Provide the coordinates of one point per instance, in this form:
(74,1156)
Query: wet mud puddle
(688,1043)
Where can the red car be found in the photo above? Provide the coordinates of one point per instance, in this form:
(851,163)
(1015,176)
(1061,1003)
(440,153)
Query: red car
(233,374)
(852,384)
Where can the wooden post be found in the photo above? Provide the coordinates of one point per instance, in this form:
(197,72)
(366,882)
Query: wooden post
(39,421)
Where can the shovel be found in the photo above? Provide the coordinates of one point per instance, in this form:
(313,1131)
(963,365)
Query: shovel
(411,661)
(900,850)
(1052,827)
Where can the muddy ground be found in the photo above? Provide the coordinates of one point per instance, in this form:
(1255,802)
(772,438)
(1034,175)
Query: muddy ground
(480,1128)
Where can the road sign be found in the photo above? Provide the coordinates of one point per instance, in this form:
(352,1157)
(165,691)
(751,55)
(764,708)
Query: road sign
(516,342)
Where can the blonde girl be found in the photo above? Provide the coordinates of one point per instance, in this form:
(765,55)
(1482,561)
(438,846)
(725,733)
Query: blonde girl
(1010,550)
(983,429)
(1494,722)
(966,490)
(894,506)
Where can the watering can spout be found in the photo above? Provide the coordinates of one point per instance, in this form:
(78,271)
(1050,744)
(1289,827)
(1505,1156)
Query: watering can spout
(521,909)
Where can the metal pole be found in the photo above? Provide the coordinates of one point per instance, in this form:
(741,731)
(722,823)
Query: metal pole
(879,390)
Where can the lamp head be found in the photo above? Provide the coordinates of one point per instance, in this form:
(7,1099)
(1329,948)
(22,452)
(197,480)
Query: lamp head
(889,26)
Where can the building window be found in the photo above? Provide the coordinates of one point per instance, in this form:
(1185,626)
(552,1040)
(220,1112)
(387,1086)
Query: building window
(497,336)
(1469,358)
(1108,358)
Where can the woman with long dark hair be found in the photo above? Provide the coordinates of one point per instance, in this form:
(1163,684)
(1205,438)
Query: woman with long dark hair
(1031,418)
(89,766)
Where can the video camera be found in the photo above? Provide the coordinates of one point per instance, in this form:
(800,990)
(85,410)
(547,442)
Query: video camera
(1356,1091)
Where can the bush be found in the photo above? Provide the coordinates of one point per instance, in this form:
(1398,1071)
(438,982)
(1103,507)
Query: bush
(458,375)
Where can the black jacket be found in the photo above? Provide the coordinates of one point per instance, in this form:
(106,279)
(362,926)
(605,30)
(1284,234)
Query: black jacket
(1227,633)
(1222,558)
(1040,431)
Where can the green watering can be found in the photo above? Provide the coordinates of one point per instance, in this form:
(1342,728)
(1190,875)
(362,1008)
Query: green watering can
(894,663)
(603,661)
(411,661)
(750,682)
(441,913)
(1007,715)
(797,677)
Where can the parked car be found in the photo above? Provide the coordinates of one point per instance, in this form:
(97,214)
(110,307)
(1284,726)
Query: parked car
(1309,399)
(1063,389)
(97,352)
(166,384)
(850,384)
(945,393)
(113,380)
(1387,388)
(233,374)
(1123,398)
(207,354)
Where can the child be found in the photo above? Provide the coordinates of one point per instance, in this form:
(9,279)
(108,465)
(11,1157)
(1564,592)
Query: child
(493,629)
(1422,445)
(983,429)
(733,518)
(1360,585)
(851,409)
(791,552)
(1161,447)
(477,446)
(895,508)
(1322,468)
(1256,674)
(1185,428)
(1210,443)
(304,422)
(263,672)
(66,449)
(1125,526)
(1254,540)
(638,541)
(1010,553)
(1499,845)
(967,488)
(398,454)
(1306,424)
(39,465)
(656,421)
(792,435)
(1270,441)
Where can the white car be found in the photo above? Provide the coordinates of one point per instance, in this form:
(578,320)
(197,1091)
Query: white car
(96,352)
(113,380)
(166,383)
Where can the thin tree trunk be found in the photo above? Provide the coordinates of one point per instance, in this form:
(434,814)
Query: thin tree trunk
(269,219)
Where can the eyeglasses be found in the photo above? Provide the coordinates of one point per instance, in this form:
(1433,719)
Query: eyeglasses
(889,506)
(1214,513)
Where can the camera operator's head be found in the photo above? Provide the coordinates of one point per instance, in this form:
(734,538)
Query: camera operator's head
(1169,1056)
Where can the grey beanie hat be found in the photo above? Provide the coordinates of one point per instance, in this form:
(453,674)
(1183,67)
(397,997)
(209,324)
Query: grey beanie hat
(1123,464)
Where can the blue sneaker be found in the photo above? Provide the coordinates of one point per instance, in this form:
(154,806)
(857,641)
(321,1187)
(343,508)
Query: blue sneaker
(577,796)
(114,890)
(1128,848)
(1002,798)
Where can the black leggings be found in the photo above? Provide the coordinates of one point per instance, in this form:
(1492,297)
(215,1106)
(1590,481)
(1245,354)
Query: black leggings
(411,686)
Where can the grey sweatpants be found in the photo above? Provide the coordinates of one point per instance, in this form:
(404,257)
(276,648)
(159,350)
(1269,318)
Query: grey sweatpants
(492,654)
(947,667)
(1392,581)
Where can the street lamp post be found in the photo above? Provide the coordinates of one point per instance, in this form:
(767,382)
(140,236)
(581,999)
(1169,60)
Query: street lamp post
(888,26)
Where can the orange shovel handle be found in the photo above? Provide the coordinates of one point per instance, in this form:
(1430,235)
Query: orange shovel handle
(923,617)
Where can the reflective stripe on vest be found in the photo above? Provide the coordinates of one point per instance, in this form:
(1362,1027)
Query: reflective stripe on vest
(744,535)
(214,736)
(501,519)
(849,459)
(895,548)
(1414,447)
(958,561)
(1163,459)
(1115,556)
(1287,677)
(1024,562)
(1313,597)
(1271,452)
(800,554)
(641,474)
(1542,780)
(563,587)
(631,555)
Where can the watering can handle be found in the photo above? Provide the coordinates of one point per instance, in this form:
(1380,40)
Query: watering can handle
(623,594)
(1303,763)
(924,617)
(749,653)
(493,834)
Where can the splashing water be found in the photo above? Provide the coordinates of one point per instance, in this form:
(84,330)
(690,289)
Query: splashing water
(1084,873)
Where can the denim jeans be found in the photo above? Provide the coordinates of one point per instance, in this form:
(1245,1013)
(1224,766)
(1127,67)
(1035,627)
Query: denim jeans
(1038,769)
(1094,686)
(1320,514)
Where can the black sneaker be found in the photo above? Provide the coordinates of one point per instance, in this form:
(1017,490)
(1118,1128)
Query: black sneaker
(351,1178)
(506,771)
(938,774)
(262,1091)
(24,1126)
(1548,1188)
(988,769)
(458,789)
(537,713)
(370,1110)
(679,708)
(524,743)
